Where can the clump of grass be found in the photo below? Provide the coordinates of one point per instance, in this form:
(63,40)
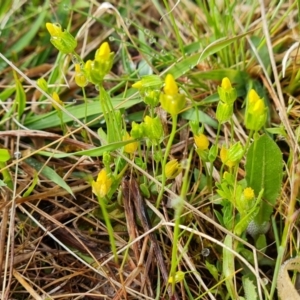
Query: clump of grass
(190,101)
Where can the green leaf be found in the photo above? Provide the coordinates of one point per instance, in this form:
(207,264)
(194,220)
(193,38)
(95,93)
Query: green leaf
(49,173)
(228,267)
(32,186)
(212,270)
(78,111)
(264,171)
(198,115)
(94,152)
(20,96)
(249,288)
(4,155)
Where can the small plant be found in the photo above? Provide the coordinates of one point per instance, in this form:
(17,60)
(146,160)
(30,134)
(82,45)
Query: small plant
(157,155)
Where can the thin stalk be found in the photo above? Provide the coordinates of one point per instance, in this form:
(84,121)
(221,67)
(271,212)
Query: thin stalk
(109,227)
(178,211)
(167,151)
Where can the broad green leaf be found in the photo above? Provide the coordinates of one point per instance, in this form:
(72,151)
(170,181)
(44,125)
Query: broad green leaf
(4,155)
(264,171)
(49,173)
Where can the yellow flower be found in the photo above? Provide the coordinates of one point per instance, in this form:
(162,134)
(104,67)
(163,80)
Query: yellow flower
(248,193)
(61,40)
(54,29)
(102,185)
(171,87)
(201,141)
(96,69)
(131,147)
(224,157)
(227,93)
(172,169)
(256,112)
(226,84)
(179,276)
(80,78)
(138,85)
(103,53)
(56,98)
(170,100)
(253,97)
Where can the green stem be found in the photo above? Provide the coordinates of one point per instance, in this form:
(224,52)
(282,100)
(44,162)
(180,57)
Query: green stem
(85,102)
(209,180)
(109,227)
(178,211)
(168,148)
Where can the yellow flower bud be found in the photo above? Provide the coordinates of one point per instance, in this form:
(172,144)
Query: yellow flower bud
(56,98)
(224,157)
(226,84)
(103,52)
(226,92)
(61,40)
(172,169)
(201,141)
(179,276)
(102,185)
(171,87)
(80,78)
(138,85)
(54,29)
(256,112)
(42,83)
(253,96)
(132,147)
(259,107)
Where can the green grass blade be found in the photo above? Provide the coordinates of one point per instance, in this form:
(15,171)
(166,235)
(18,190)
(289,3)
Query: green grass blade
(49,173)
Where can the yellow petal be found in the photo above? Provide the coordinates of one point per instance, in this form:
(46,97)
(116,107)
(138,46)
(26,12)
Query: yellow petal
(226,84)
(171,87)
(201,141)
